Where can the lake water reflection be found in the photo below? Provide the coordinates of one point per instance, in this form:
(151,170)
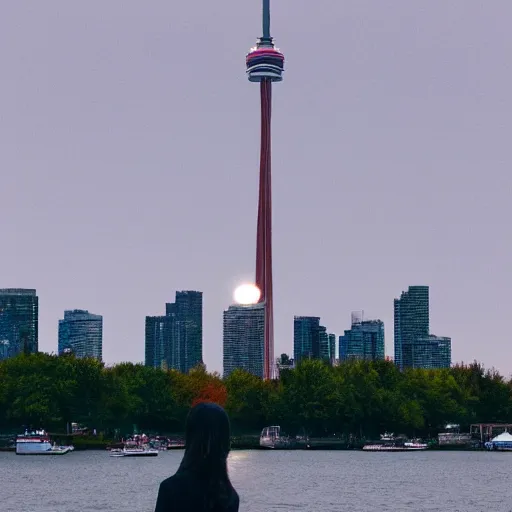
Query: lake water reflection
(268,481)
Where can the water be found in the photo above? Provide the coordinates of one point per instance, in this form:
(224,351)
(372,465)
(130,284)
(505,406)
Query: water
(267,481)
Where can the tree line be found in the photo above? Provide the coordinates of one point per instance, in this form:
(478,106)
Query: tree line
(359,398)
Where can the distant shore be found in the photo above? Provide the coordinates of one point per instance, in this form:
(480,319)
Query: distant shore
(175,441)
(253,444)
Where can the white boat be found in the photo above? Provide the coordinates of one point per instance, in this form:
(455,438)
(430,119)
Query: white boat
(382,448)
(134,452)
(502,443)
(272,437)
(398,447)
(388,443)
(175,444)
(38,443)
(415,446)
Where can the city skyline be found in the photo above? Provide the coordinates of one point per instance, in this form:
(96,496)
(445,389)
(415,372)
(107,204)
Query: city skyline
(174,340)
(122,184)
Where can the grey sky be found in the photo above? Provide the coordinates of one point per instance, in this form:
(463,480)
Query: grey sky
(129,162)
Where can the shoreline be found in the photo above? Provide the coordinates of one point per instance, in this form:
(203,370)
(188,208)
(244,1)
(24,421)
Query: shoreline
(242,447)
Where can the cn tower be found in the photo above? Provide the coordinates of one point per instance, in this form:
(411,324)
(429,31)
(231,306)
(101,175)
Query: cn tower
(265,64)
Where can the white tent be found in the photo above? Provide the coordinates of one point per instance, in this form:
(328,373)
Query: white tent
(503,438)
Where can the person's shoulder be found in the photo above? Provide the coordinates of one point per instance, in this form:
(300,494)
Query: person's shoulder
(177,489)
(176,493)
(235,501)
(177,477)
(175,481)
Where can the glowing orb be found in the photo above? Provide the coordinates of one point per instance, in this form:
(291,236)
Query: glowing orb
(247,294)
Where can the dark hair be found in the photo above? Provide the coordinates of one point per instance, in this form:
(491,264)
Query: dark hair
(207,445)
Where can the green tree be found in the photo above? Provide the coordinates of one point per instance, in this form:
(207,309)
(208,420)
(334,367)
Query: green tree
(310,399)
(247,396)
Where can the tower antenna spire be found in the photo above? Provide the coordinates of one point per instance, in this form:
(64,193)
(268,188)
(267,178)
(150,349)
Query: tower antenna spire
(266,19)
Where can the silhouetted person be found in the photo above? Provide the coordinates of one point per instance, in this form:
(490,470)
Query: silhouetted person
(202,482)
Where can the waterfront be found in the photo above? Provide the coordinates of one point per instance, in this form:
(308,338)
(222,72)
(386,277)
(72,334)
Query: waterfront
(334,481)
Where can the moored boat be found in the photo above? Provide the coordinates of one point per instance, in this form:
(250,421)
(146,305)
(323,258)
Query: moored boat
(273,438)
(382,448)
(38,443)
(134,452)
(415,445)
(388,443)
(175,445)
(158,443)
(501,443)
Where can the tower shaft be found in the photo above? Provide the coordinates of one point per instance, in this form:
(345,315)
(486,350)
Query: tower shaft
(265,64)
(264,231)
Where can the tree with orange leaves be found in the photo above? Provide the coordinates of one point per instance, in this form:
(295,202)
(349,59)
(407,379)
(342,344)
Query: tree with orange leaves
(213,391)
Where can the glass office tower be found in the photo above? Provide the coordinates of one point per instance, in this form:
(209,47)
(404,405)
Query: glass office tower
(243,339)
(19,312)
(81,333)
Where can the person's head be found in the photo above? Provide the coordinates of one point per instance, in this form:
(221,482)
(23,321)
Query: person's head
(207,440)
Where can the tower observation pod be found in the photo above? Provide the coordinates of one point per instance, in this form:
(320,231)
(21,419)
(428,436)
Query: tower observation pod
(264,62)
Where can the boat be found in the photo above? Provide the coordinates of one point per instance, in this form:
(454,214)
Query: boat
(158,443)
(451,436)
(175,444)
(395,447)
(273,438)
(38,443)
(134,452)
(390,443)
(501,443)
(415,445)
(382,448)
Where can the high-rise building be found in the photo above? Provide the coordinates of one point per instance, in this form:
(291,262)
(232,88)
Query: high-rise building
(283,363)
(158,341)
(19,312)
(365,340)
(411,320)
(324,351)
(175,341)
(265,65)
(311,340)
(187,330)
(429,352)
(327,345)
(306,338)
(81,334)
(332,347)
(415,347)
(243,339)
